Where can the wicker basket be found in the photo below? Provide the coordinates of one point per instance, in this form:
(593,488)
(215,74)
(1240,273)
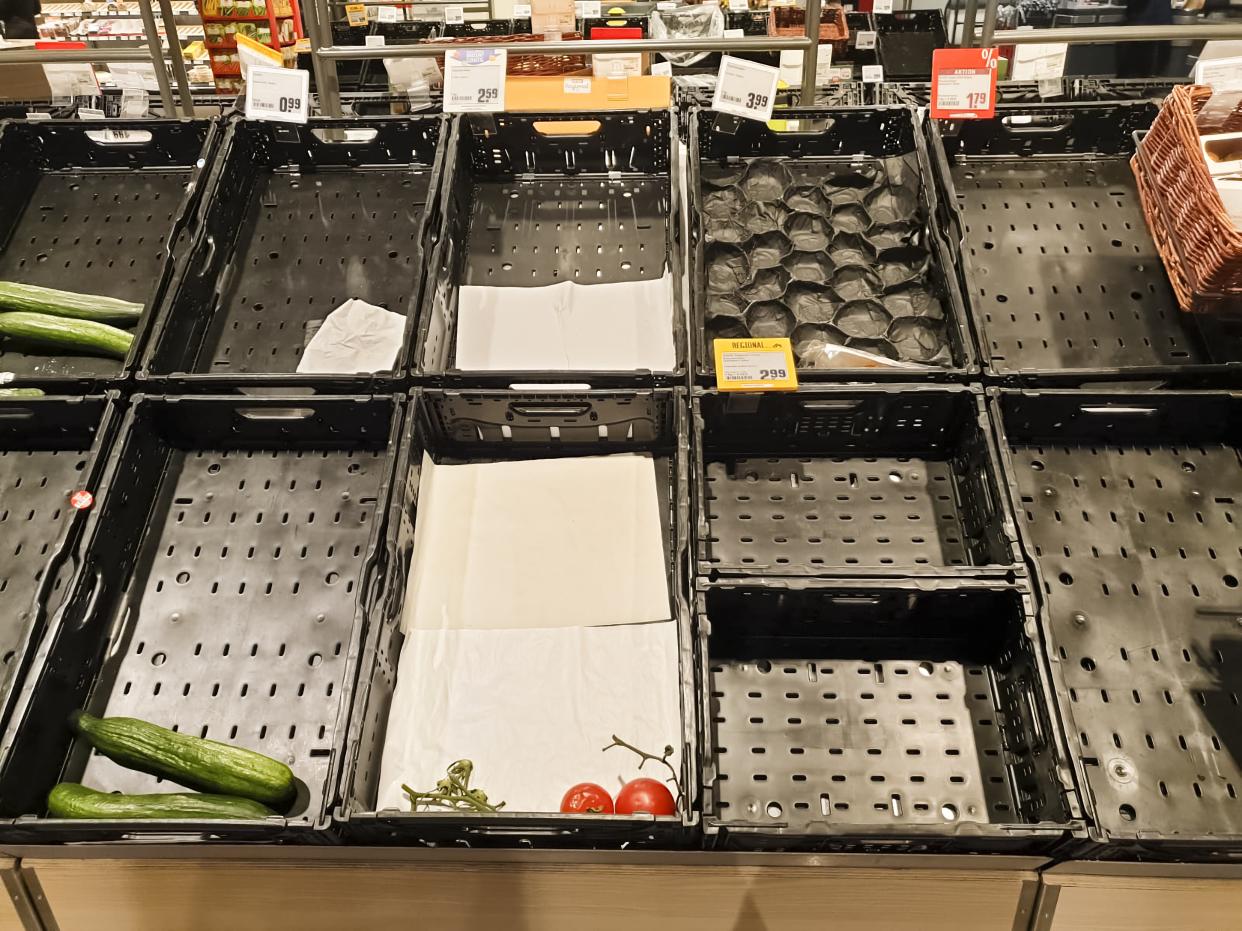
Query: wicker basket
(526,65)
(791,21)
(1200,246)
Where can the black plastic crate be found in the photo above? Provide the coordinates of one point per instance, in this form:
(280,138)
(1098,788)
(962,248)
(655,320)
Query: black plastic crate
(296,220)
(482,425)
(524,206)
(1060,272)
(1071,90)
(98,208)
(905,42)
(851,53)
(898,481)
(479,27)
(621,21)
(1128,506)
(824,232)
(370,75)
(228,565)
(49,449)
(874,716)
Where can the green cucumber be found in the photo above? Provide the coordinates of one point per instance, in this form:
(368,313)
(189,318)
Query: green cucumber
(71,800)
(84,336)
(205,765)
(32,298)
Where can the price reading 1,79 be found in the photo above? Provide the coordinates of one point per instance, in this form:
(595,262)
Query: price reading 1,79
(977,100)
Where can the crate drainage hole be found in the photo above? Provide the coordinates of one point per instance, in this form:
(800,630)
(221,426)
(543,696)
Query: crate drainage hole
(925,668)
(1127,812)
(159,659)
(774,809)
(1065,578)
(315,659)
(183,577)
(1088,664)
(1231,581)
(948,812)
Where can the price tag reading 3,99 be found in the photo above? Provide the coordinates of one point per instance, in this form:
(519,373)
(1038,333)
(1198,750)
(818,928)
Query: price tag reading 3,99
(755,365)
(474,80)
(745,88)
(280,95)
(964,83)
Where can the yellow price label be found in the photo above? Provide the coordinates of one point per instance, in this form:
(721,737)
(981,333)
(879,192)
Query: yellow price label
(755,365)
(356,14)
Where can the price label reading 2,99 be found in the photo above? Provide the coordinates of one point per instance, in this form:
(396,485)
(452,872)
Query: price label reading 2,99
(279,95)
(755,365)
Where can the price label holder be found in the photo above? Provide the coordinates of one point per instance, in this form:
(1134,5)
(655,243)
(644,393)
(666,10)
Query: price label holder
(864,40)
(873,74)
(356,14)
(279,95)
(882,6)
(373,41)
(739,6)
(964,83)
(666,5)
(454,15)
(387,14)
(1221,74)
(134,103)
(745,88)
(755,365)
(521,11)
(474,80)
(90,113)
(662,67)
(588,9)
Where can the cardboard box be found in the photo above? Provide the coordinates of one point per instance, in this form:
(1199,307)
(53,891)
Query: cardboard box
(548,94)
(22,82)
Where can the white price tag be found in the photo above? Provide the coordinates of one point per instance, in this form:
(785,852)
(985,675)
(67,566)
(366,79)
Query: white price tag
(969,91)
(734,33)
(662,67)
(577,86)
(588,9)
(745,88)
(791,67)
(873,74)
(1221,74)
(882,6)
(71,80)
(134,103)
(281,95)
(474,80)
(1039,62)
(739,6)
(134,74)
(32,116)
(90,113)
(864,39)
(454,15)
(387,14)
(373,41)
(1050,87)
(666,5)
(521,11)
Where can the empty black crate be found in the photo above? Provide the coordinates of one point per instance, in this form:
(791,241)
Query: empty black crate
(1129,503)
(905,42)
(98,208)
(49,448)
(889,481)
(824,232)
(295,221)
(1061,275)
(369,74)
(457,426)
(227,566)
(843,715)
(538,199)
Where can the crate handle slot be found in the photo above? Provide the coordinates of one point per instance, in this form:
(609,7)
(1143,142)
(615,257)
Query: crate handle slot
(125,137)
(1126,411)
(551,409)
(337,136)
(576,128)
(1034,124)
(16,413)
(854,600)
(832,405)
(276,413)
(814,127)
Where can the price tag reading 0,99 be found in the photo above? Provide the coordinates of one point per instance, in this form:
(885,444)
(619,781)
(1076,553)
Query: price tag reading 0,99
(474,80)
(745,88)
(279,95)
(755,365)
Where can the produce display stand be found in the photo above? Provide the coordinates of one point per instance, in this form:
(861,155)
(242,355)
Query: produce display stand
(276,15)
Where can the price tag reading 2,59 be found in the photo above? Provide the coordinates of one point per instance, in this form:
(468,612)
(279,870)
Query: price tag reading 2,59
(280,95)
(745,88)
(755,365)
(474,80)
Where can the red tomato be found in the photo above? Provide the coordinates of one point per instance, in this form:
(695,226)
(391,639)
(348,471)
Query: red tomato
(646,795)
(587,798)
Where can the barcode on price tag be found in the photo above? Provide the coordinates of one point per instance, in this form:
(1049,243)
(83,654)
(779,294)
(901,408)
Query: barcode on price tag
(454,15)
(963,83)
(280,95)
(474,80)
(745,88)
(755,365)
(864,40)
(356,14)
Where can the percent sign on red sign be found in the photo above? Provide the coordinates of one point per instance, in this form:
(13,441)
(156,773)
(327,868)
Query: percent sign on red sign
(964,83)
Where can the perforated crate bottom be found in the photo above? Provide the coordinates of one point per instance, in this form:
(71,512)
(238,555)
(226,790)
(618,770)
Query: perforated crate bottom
(244,602)
(529,233)
(309,243)
(34,497)
(834,512)
(857,742)
(97,232)
(1066,274)
(1139,548)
